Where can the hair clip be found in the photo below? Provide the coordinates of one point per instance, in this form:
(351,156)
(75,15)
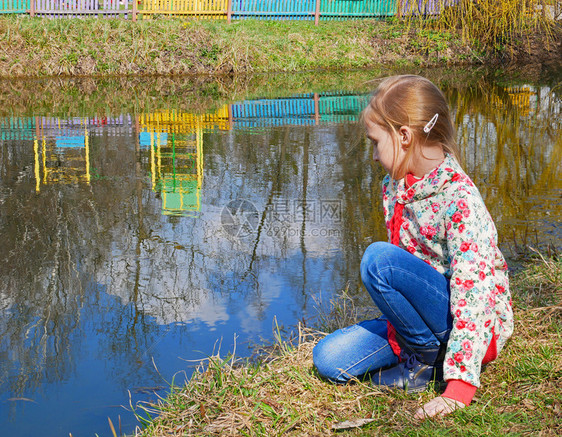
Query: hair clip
(430,123)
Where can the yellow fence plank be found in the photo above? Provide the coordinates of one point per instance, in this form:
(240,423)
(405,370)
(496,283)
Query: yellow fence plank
(203,9)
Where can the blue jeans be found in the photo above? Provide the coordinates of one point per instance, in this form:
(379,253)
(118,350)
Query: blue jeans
(410,293)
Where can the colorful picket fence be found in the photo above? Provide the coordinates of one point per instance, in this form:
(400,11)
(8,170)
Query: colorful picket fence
(227,9)
(270,9)
(207,9)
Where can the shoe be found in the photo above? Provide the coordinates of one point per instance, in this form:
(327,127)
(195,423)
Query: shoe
(420,367)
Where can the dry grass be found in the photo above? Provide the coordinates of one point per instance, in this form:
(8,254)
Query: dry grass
(282,396)
(43,47)
(490,23)
(521,391)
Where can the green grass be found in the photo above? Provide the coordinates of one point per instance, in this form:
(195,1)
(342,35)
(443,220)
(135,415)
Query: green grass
(521,391)
(43,47)
(36,47)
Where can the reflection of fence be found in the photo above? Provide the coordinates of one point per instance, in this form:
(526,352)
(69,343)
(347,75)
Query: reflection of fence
(175,140)
(183,122)
(17,128)
(307,109)
(97,125)
(341,108)
(176,162)
(273,112)
(519,97)
(63,157)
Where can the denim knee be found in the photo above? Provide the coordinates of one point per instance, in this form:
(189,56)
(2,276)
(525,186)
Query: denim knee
(353,351)
(323,356)
(375,257)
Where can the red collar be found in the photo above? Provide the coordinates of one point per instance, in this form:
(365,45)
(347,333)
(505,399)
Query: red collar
(411,179)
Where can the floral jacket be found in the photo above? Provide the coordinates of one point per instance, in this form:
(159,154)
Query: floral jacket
(446,224)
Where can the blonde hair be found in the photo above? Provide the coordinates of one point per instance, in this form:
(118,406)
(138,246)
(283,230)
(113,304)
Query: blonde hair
(412,101)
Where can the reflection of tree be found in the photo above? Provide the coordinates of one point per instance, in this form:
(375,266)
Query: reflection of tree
(510,139)
(41,287)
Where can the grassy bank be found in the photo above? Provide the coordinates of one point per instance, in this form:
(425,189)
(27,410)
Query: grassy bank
(521,392)
(42,47)
(466,34)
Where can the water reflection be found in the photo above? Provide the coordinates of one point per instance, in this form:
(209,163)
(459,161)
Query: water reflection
(125,238)
(512,145)
(175,144)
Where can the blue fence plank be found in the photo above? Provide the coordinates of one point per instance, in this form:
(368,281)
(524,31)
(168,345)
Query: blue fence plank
(274,9)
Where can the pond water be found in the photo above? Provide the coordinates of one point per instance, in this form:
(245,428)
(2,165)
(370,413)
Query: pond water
(137,237)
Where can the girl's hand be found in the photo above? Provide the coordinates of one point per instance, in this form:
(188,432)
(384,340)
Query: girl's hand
(438,406)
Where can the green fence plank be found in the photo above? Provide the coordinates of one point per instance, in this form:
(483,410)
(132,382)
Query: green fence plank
(14,6)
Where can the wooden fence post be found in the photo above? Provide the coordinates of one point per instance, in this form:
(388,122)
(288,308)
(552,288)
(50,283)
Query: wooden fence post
(316,109)
(228,11)
(230,118)
(317,13)
(32,8)
(135,5)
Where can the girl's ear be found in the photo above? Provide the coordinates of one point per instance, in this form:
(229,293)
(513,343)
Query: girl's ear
(405,136)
